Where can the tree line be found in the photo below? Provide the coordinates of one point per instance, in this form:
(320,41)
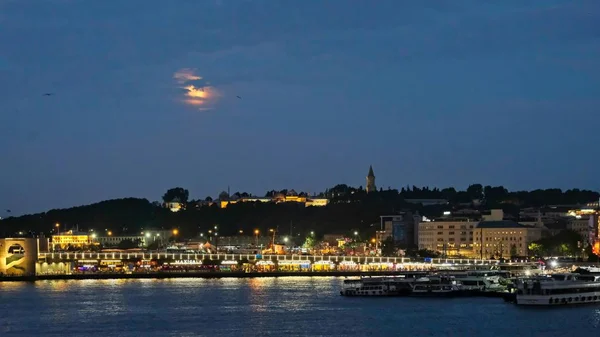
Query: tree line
(350,209)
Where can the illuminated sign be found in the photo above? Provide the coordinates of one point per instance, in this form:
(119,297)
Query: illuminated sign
(187,262)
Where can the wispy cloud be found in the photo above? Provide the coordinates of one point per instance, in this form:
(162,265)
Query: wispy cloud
(186,75)
(196,94)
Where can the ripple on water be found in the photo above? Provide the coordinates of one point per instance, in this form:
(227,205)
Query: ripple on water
(294,306)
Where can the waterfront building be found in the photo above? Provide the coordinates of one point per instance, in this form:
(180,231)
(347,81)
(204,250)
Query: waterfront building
(580,225)
(401,227)
(70,239)
(370,187)
(503,238)
(450,236)
(115,240)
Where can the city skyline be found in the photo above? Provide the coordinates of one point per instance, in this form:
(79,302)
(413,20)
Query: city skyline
(274,95)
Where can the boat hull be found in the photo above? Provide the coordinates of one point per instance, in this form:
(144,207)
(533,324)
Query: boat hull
(558,300)
(375,293)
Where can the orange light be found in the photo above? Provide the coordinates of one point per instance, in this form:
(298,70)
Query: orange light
(256,231)
(596,248)
(175,231)
(373,240)
(109,233)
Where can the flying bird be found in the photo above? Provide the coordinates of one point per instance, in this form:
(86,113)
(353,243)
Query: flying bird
(8,211)
(238,97)
(48,94)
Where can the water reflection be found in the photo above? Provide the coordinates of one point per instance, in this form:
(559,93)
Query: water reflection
(262,306)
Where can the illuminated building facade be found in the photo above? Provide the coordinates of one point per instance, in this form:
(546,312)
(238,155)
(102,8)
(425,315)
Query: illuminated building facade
(115,240)
(291,196)
(503,238)
(452,236)
(175,205)
(70,239)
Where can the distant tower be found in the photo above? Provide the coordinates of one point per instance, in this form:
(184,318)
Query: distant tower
(371,181)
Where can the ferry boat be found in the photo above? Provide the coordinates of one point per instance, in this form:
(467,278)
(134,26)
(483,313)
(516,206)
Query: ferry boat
(437,286)
(558,289)
(481,281)
(377,286)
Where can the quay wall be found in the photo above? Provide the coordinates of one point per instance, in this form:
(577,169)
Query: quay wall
(205,275)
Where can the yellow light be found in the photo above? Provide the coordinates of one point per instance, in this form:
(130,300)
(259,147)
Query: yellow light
(175,231)
(109,233)
(57,224)
(241,231)
(271,230)
(256,231)
(373,240)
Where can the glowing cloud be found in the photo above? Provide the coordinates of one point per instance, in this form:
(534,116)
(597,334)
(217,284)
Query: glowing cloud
(197,95)
(186,75)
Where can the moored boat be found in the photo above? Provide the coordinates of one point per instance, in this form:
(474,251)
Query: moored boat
(437,286)
(377,286)
(558,289)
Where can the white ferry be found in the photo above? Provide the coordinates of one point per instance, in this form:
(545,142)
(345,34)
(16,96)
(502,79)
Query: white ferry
(437,286)
(558,289)
(480,281)
(377,286)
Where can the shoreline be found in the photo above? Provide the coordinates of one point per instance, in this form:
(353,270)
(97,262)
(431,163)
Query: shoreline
(203,275)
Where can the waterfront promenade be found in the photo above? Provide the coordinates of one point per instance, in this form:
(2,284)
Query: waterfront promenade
(196,274)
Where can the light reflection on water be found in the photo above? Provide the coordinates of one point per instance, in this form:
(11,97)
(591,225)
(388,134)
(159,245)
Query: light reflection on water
(291,306)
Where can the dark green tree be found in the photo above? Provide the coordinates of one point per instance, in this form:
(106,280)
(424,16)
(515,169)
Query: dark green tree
(388,247)
(178,193)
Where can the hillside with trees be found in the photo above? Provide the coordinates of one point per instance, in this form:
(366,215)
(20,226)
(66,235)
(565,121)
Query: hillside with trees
(350,209)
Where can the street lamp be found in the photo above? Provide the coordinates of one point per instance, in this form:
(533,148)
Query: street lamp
(109,233)
(285,239)
(256,232)
(57,228)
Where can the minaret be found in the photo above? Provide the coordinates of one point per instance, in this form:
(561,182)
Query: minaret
(371,181)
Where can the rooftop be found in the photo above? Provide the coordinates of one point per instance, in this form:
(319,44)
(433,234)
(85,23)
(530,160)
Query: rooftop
(500,224)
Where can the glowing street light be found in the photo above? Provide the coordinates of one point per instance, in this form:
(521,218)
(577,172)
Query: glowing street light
(175,231)
(312,233)
(355,233)
(285,239)
(256,232)
(147,235)
(109,233)
(241,231)
(57,228)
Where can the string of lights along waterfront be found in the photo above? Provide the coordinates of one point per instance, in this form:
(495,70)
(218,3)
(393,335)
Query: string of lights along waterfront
(293,306)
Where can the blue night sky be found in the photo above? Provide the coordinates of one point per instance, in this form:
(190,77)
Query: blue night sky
(438,93)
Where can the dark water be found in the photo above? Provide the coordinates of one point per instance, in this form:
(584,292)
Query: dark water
(264,307)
